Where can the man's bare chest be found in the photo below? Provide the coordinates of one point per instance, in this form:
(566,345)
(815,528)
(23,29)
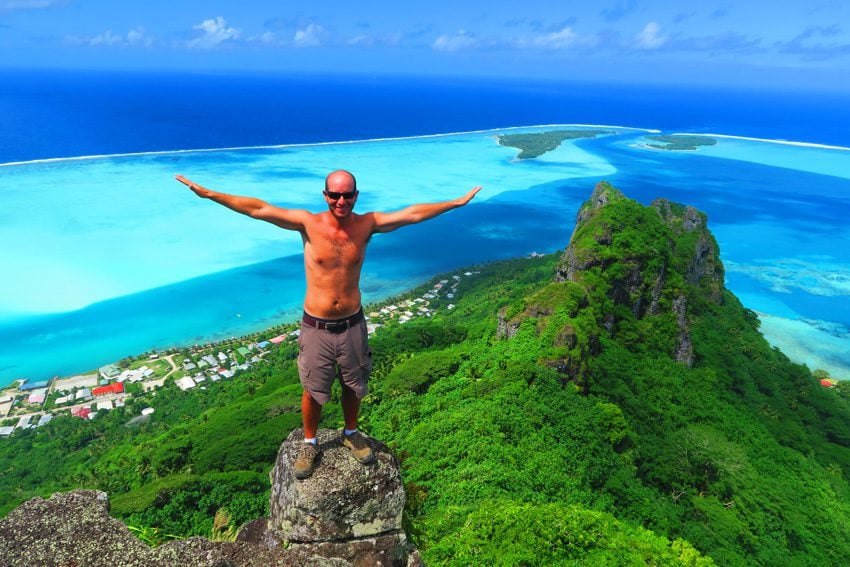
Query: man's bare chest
(336,248)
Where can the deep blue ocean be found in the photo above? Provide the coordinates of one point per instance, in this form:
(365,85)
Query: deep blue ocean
(50,114)
(63,114)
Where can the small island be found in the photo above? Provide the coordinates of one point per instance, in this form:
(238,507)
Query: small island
(679,142)
(532,145)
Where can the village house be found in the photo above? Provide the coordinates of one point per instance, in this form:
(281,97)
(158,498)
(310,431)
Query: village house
(30,386)
(185,383)
(109,372)
(37,396)
(135,375)
(114,388)
(83,412)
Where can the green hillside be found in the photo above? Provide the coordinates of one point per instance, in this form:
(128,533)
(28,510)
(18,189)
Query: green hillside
(613,404)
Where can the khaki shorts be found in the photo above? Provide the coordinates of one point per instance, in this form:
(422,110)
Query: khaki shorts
(322,352)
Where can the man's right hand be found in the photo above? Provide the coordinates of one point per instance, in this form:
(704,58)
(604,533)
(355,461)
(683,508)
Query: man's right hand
(199,191)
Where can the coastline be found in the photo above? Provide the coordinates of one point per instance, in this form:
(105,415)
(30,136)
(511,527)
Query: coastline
(766,140)
(92,326)
(493,131)
(316,144)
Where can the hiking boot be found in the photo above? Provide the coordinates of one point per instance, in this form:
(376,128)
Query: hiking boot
(305,462)
(359,448)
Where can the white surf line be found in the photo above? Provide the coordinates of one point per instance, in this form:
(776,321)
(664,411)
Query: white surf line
(768,140)
(312,144)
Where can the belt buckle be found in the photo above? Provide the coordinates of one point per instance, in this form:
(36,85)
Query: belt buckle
(336,326)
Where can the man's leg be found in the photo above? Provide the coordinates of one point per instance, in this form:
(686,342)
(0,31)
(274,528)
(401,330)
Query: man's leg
(355,440)
(311,412)
(308,453)
(350,407)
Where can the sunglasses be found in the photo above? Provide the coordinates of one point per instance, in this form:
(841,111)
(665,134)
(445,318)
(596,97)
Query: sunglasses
(333,195)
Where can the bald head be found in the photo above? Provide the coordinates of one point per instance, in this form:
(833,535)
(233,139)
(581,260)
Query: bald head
(340,181)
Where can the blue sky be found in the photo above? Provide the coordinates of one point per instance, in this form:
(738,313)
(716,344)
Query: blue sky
(784,43)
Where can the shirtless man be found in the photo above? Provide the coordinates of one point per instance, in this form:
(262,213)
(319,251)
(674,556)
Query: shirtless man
(333,328)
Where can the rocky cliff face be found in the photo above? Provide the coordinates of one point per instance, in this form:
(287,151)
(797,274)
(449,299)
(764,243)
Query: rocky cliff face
(621,251)
(344,514)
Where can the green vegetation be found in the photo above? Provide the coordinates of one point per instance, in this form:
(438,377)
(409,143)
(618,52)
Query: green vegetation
(679,142)
(537,423)
(536,144)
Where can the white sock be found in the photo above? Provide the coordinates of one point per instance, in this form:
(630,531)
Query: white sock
(350,431)
(311,440)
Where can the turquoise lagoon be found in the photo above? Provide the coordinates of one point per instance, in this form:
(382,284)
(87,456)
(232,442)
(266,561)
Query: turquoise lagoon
(109,256)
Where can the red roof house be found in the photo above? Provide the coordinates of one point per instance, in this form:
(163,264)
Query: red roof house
(81,412)
(114,388)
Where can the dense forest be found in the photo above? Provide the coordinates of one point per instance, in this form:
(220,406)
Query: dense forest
(613,404)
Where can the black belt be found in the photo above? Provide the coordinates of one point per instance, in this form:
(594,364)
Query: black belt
(333,325)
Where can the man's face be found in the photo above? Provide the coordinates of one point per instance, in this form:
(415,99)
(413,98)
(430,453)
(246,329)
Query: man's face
(340,196)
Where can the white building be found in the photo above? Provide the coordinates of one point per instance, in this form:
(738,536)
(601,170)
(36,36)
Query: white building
(185,383)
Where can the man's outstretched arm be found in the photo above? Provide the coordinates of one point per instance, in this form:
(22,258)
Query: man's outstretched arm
(386,222)
(291,219)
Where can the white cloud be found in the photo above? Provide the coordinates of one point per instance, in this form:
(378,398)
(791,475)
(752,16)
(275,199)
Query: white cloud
(564,38)
(311,36)
(365,40)
(11,5)
(650,37)
(106,38)
(215,32)
(268,38)
(457,42)
(136,37)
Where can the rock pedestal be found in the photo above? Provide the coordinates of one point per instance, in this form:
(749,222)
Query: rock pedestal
(345,509)
(342,499)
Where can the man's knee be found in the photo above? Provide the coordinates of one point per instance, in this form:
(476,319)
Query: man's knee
(311,399)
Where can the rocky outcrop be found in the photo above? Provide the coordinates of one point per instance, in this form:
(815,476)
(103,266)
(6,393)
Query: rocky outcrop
(572,262)
(640,263)
(685,347)
(505,329)
(344,509)
(344,514)
(695,244)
